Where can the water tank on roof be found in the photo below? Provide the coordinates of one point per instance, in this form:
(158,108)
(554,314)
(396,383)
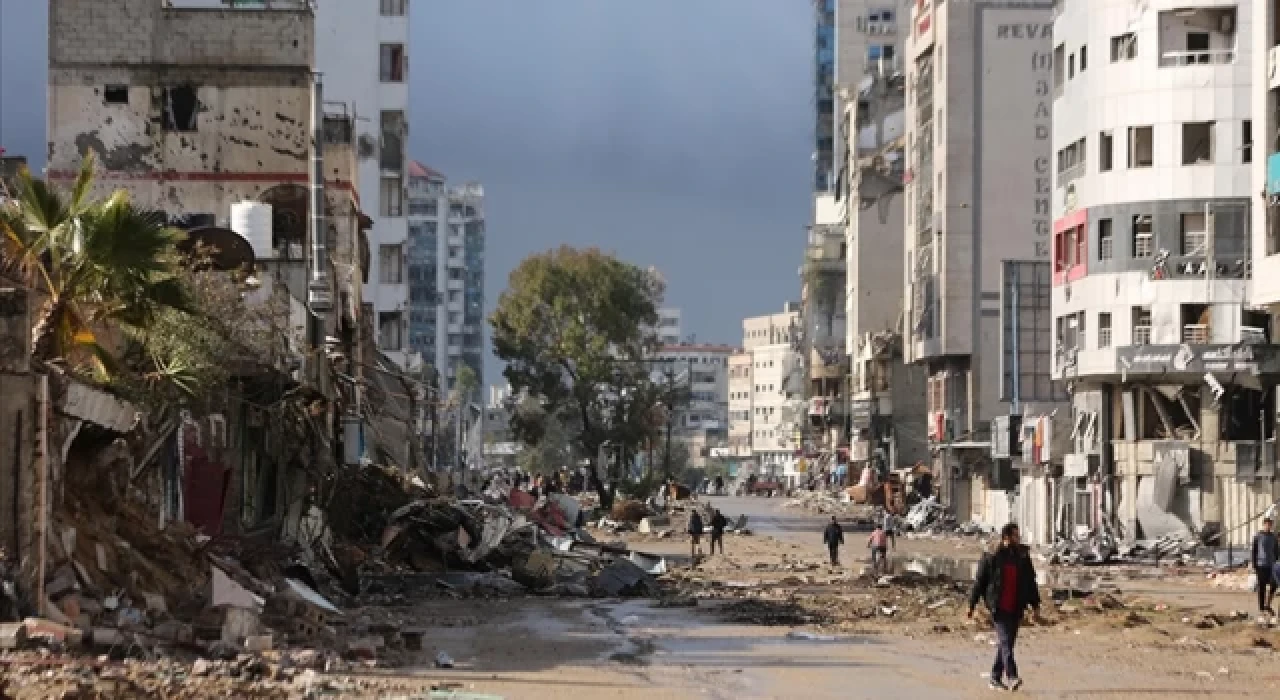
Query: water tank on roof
(252,220)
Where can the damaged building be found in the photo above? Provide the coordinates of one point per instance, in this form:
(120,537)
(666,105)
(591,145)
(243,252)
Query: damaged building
(215,117)
(977,178)
(1170,363)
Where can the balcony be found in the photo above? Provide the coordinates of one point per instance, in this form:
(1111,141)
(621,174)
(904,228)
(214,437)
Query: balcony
(1142,335)
(1252,335)
(1195,334)
(1208,57)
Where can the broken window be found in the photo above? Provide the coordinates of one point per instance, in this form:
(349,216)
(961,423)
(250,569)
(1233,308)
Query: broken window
(1195,323)
(392,197)
(390,331)
(1246,141)
(1246,414)
(394,130)
(394,63)
(1194,235)
(1124,47)
(1059,75)
(116,94)
(1105,151)
(1197,143)
(1140,149)
(1106,239)
(391,264)
(1255,327)
(1143,239)
(1141,317)
(180,106)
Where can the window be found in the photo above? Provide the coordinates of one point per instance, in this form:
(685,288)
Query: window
(1106,240)
(1246,141)
(1104,330)
(1059,62)
(393,133)
(1197,143)
(1143,243)
(393,8)
(392,197)
(455,297)
(1194,235)
(116,94)
(391,264)
(1124,47)
(1140,152)
(1197,47)
(1084,58)
(180,107)
(1071,66)
(1141,325)
(423,207)
(390,330)
(1106,151)
(394,64)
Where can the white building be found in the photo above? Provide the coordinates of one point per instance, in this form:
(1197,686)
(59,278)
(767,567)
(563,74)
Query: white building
(669,326)
(362,51)
(777,390)
(704,422)
(740,396)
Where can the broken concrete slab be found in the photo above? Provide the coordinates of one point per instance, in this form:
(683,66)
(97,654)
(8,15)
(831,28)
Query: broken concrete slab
(652,524)
(621,578)
(257,643)
(13,635)
(228,593)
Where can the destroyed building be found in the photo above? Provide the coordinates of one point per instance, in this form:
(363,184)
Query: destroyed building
(1171,366)
(214,116)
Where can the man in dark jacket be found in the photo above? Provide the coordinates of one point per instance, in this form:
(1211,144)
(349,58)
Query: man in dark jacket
(1006,582)
(1264,554)
(718,524)
(695,536)
(833,537)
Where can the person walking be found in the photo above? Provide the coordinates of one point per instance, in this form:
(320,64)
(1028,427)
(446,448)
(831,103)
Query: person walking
(695,535)
(1264,554)
(718,524)
(1006,582)
(833,537)
(878,543)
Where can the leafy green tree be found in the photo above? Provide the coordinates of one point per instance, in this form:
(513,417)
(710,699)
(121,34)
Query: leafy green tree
(548,442)
(95,264)
(573,328)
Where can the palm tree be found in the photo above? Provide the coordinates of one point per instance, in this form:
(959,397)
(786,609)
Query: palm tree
(96,264)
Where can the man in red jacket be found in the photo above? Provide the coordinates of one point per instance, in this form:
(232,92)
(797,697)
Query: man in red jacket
(1006,582)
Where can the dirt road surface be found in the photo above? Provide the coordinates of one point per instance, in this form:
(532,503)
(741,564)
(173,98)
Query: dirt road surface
(531,648)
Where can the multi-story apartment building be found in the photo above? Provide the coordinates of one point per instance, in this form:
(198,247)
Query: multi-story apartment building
(446,272)
(886,399)
(777,390)
(362,50)
(823,332)
(740,395)
(824,71)
(978,182)
(704,422)
(1170,363)
(669,326)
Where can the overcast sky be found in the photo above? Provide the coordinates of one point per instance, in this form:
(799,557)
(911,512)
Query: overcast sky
(675,133)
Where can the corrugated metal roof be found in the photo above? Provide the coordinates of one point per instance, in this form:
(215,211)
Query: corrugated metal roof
(98,407)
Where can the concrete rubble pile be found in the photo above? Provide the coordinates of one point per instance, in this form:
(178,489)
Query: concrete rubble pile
(519,546)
